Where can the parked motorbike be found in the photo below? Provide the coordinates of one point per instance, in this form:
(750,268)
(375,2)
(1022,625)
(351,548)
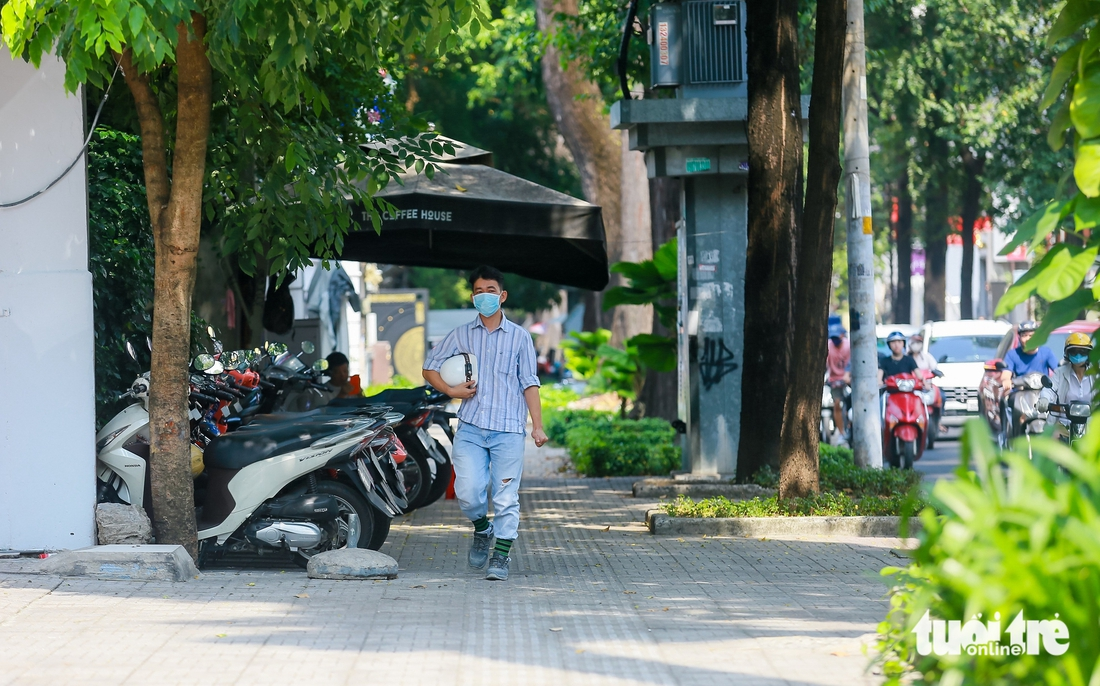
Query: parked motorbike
(905,421)
(301,482)
(428,470)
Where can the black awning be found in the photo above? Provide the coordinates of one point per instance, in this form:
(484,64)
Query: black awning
(470,214)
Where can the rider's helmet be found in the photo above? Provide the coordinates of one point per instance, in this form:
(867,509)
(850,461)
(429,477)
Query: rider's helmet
(916,338)
(1078,344)
(1028,326)
(895,336)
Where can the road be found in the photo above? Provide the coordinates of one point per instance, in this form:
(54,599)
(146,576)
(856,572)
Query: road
(941,461)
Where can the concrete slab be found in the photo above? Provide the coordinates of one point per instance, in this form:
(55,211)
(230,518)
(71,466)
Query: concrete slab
(124,563)
(662,524)
(352,563)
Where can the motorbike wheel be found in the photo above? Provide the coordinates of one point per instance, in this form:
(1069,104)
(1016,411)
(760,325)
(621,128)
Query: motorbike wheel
(374,526)
(933,432)
(417,476)
(908,454)
(443,474)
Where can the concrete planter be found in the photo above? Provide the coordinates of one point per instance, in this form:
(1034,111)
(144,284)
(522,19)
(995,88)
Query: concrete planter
(661,524)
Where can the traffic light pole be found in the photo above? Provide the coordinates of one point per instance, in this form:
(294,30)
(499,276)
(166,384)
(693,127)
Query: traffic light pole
(866,423)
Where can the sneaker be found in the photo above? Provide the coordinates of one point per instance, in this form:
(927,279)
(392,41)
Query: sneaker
(498,568)
(479,549)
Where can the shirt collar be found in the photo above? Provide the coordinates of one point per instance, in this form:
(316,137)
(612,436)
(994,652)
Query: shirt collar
(504,323)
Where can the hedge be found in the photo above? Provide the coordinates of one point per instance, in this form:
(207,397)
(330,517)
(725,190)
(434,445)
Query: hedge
(601,444)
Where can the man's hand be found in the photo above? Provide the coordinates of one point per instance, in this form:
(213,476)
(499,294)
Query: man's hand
(463,391)
(539,436)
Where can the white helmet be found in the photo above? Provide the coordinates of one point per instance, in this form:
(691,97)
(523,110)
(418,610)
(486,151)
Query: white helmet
(459,369)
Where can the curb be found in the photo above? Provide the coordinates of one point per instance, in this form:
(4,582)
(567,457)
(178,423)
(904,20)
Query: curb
(124,563)
(663,488)
(661,524)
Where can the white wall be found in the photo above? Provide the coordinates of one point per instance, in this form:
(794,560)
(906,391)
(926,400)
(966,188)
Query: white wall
(47,385)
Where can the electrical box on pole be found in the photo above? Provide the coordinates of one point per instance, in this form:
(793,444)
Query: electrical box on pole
(697,48)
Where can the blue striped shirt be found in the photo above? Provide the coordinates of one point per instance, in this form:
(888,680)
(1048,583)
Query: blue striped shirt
(505,369)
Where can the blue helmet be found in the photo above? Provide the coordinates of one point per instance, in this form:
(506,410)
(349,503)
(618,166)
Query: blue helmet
(895,336)
(836,328)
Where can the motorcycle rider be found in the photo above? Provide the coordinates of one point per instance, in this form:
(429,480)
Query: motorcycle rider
(921,356)
(897,362)
(1020,361)
(1071,382)
(839,364)
(340,384)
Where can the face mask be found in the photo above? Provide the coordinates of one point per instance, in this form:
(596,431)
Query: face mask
(487,303)
(916,347)
(1078,359)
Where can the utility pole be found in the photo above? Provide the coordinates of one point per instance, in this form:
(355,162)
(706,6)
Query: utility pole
(866,423)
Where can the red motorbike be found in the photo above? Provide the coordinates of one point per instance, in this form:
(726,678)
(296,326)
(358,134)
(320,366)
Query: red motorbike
(905,420)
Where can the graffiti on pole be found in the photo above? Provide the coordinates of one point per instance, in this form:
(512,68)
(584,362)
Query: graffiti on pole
(715,361)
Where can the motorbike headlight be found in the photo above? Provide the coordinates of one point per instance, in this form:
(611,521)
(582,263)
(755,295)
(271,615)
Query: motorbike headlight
(906,385)
(106,440)
(1079,410)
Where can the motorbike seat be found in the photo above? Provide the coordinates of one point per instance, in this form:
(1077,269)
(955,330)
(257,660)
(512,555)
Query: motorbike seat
(390,396)
(258,442)
(348,405)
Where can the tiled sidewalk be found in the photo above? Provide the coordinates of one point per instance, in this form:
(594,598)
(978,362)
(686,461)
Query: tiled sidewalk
(593,599)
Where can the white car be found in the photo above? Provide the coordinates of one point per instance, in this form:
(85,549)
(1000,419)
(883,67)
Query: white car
(961,349)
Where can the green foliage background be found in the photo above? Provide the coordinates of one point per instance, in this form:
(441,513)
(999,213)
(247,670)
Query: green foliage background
(120,258)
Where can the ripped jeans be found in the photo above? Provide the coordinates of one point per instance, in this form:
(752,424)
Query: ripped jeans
(482,457)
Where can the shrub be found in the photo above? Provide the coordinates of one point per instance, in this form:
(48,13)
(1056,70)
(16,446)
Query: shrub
(821,504)
(1015,535)
(839,473)
(602,445)
(556,397)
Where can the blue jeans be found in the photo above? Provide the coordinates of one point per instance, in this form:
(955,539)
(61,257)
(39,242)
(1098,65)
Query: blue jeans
(482,458)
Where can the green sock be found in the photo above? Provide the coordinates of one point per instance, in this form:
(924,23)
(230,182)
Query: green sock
(481,524)
(503,546)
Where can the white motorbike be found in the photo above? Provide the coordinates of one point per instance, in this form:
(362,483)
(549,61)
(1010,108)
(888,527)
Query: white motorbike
(305,482)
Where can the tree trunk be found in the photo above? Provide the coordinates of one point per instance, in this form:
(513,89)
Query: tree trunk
(175,209)
(659,394)
(636,241)
(935,231)
(903,311)
(775,203)
(798,466)
(577,106)
(972,196)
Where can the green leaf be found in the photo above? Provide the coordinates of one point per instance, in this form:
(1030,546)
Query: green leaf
(1086,168)
(1056,136)
(1084,107)
(1022,289)
(1036,227)
(1061,313)
(1064,68)
(655,352)
(1072,16)
(1086,213)
(1065,272)
(666,260)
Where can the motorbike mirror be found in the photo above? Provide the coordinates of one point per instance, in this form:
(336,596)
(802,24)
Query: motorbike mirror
(130,350)
(320,365)
(308,347)
(937,373)
(1047,383)
(204,362)
(276,349)
(210,331)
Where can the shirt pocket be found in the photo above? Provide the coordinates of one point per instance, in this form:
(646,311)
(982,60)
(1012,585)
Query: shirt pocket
(507,364)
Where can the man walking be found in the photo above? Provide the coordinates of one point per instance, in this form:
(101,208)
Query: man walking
(488,446)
